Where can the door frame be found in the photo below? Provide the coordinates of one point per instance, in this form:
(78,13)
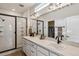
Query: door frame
(15,30)
(51,26)
(37,25)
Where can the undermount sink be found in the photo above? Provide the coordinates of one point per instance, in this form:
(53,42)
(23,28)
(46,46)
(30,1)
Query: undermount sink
(53,43)
(57,46)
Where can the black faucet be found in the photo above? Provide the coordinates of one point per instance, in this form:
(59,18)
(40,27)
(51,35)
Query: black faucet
(58,38)
(42,36)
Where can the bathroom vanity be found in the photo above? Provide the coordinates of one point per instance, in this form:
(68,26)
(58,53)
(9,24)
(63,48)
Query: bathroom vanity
(33,46)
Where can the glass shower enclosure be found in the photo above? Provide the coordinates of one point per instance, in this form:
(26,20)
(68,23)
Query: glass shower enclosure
(7,32)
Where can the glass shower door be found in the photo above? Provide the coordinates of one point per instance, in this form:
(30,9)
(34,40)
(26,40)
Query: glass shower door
(7,33)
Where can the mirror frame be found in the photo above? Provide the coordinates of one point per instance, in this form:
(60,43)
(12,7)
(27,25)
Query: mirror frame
(42,26)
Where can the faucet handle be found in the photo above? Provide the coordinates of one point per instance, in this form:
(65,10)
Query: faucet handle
(62,36)
(56,37)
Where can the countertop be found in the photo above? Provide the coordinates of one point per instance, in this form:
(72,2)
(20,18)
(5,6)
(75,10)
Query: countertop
(62,49)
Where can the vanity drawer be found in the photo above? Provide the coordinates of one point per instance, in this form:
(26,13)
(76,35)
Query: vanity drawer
(33,45)
(33,51)
(30,43)
(40,54)
(28,49)
(42,50)
(53,54)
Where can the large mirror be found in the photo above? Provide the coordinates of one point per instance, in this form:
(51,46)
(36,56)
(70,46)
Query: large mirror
(63,21)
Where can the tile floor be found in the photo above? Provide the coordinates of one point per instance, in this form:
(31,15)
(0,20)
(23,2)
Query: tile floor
(17,53)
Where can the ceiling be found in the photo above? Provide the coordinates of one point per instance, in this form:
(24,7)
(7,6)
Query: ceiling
(15,6)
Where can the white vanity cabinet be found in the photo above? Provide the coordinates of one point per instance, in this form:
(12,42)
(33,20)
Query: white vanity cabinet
(33,49)
(42,51)
(29,48)
(26,47)
(53,54)
(40,54)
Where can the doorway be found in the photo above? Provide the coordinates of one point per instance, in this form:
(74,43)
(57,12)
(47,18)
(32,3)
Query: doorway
(51,29)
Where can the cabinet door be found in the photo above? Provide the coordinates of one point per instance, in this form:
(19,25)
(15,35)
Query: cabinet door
(28,50)
(43,50)
(40,54)
(33,51)
(24,49)
(21,30)
(53,54)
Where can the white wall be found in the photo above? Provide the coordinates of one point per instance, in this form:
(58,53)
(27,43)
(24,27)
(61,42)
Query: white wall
(9,12)
(27,14)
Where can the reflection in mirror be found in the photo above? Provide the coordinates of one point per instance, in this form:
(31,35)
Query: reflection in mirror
(34,26)
(51,29)
(37,26)
(67,17)
(40,27)
(72,29)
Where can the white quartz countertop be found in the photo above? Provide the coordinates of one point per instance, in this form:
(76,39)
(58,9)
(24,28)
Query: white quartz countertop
(62,49)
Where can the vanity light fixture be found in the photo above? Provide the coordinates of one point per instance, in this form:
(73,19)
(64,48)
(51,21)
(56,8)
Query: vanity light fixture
(41,6)
(13,9)
(55,6)
(32,16)
(35,15)
(50,7)
(21,5)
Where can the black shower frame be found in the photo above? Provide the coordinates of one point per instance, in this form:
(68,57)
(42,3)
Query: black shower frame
(15,30)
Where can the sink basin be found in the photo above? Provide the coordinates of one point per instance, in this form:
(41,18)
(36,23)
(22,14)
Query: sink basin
(53,44)
(56,46)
